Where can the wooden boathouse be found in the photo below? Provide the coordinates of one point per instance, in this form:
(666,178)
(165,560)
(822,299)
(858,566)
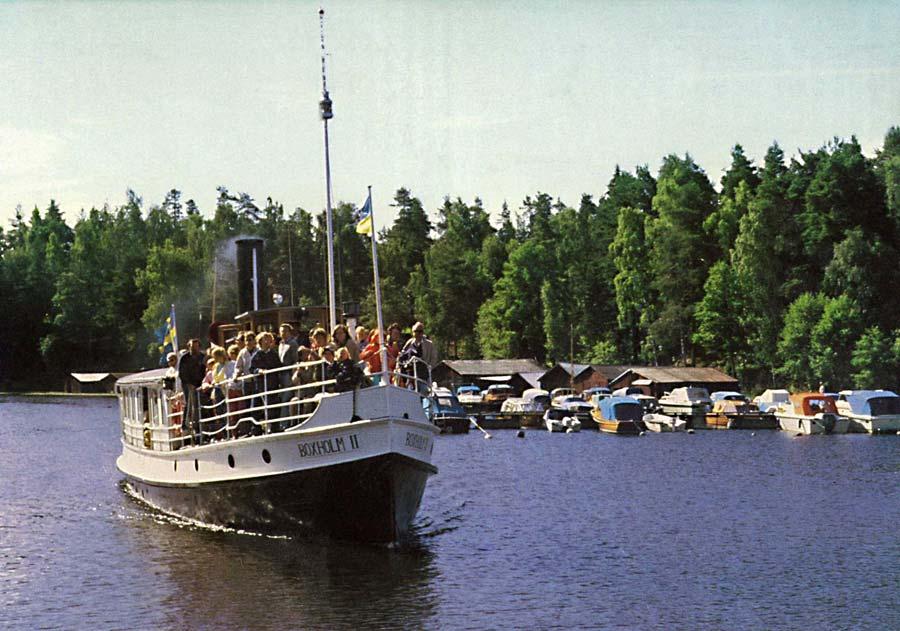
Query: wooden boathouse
(657,380)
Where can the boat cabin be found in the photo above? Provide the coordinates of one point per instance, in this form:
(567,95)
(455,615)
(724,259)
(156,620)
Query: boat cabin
(812,403)
(150,410)
(620,409)
(870,402)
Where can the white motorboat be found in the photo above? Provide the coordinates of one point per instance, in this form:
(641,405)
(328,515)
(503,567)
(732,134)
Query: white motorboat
(811,413)
(656,422)
(688,401)
(771,399)
(557,420)
(870,411)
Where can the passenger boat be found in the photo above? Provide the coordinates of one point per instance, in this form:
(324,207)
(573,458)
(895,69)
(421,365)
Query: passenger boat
(657,422)
(811,413)
(686,402)
(353,466)
(447,413)
(618,415)
(330,455)
(732,410)
(871,411)
(529,408)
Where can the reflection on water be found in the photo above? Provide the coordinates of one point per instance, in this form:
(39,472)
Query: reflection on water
(231,580)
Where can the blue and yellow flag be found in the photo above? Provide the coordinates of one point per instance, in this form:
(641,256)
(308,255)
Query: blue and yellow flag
(170,338)
(363,217)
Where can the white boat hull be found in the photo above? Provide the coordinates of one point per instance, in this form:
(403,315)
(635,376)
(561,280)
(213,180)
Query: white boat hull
(360,479)
(807,425)
(874,424)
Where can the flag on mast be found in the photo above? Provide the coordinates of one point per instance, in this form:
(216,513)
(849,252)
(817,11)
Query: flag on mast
(363,216)
(366,225)
(171,336)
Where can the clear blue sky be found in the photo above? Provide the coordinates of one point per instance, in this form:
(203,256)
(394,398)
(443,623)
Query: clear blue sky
(490,99)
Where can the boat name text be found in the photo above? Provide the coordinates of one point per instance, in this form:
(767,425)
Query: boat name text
(328,446)
(416,441)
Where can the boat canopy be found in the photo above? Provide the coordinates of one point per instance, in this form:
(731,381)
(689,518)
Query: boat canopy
(812,403)
(628,391)
(872,402)
(689,394)
(774,396)
(621,409)
(533,393)
(727,395)
(146,377)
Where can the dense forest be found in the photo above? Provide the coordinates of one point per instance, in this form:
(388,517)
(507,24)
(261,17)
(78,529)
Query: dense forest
(787,274)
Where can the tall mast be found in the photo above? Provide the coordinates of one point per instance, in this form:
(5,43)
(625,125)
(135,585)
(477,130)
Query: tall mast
(327,114)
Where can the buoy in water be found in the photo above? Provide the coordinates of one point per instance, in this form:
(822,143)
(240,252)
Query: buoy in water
(520,434)
(641,433)
(753,433)
(690,431)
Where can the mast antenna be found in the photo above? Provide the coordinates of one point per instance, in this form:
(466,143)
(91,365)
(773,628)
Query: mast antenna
(327,114)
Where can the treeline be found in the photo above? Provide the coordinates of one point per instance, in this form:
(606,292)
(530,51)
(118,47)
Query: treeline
(786,275)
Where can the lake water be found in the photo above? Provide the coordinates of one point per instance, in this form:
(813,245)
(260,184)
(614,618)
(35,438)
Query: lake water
(716,530)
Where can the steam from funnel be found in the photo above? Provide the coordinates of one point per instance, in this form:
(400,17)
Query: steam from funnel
(249,265)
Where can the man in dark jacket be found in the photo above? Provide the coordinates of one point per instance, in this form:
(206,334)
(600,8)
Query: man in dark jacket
(264,361)
(191,370)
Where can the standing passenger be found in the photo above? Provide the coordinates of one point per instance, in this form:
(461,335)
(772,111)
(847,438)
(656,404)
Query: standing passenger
(190,372)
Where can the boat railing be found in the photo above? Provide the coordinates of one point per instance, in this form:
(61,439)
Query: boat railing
(251,405)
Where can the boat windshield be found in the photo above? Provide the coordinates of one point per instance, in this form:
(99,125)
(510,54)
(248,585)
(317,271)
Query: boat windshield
(629,412)
(883,406)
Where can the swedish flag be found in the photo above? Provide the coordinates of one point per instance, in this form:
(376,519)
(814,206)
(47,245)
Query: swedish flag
(363,217)
(171,335)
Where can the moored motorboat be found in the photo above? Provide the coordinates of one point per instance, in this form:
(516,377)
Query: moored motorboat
(732,410)
(447,413)
(618,415)
(811,413)
(771,399)
(689,403)
(529,408)
(870,411)
(577,407)
(560,420)
(657,422)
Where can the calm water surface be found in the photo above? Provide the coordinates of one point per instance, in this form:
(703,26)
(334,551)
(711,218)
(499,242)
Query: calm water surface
(718,530)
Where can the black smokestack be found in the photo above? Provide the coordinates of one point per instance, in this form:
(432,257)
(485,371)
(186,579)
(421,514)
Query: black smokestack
(249,274)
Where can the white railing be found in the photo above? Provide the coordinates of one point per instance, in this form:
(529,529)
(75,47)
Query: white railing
(239,414)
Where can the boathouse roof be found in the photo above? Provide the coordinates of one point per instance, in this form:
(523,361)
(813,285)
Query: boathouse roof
(492,367)
(678,374)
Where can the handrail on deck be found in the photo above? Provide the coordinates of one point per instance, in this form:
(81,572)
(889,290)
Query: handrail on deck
(264,411)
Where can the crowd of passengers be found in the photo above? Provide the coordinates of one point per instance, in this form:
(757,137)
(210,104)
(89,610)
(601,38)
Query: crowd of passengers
(211,381)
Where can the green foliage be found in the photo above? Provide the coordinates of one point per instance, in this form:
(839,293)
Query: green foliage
(508,322)
(456,286)
(833,339)
(680,253)
(794,345)
(633,290)
(720,331)
(875,361)
(788,273)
